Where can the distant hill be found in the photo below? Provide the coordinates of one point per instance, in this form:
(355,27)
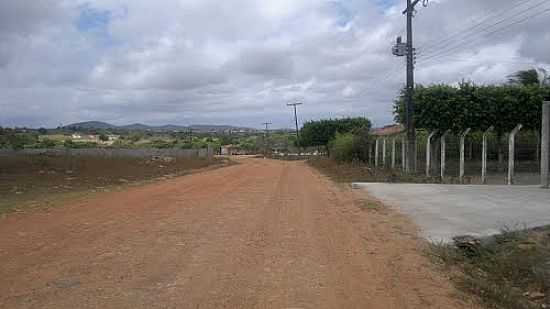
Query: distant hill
(135,126)
(90,125)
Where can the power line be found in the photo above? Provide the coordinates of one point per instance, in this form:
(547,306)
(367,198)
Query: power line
(477,36)
(512,60)
(392,72)
(460,45)
(480,22)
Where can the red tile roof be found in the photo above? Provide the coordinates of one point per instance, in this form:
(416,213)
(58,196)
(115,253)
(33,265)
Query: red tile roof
(388,130)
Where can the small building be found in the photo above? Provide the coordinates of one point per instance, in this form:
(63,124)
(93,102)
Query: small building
(388,130)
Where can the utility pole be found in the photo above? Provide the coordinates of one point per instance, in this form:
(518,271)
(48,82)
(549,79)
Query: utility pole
(266,133)
(402,49)
(190,135)
(296,120)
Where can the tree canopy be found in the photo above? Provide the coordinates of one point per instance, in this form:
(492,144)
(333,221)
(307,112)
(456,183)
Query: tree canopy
(525,78)
(321,132)
(442,107)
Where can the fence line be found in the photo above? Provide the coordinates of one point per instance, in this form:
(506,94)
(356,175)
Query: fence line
(475,157)
(132,153)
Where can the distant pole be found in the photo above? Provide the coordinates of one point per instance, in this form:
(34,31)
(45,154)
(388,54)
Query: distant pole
(296,120)
(545,146)
(190,135)
(266,133)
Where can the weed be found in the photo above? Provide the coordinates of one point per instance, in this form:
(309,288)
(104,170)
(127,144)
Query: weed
(368,205)
(358,171)
(509,270)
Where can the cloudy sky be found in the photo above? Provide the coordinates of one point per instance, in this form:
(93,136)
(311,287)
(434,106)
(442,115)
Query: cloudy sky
(240,61)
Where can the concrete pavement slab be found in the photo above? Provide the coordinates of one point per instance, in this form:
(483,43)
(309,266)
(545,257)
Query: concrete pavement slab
(445,211)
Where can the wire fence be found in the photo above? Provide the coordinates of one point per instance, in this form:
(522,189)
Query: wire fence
(524,169)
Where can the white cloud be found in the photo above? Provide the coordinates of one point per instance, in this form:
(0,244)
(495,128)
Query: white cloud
(240,61)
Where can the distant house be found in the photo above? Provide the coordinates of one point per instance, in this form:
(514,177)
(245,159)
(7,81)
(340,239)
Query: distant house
(229,150)
(76,136)
(388,130)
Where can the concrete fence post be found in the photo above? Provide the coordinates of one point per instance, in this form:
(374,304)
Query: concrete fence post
(403,153)
(462,140)
(384,152)
(393,150)
(512,153)
(376,152)
(545,146)
(484,155)
(429,152)
(443,150)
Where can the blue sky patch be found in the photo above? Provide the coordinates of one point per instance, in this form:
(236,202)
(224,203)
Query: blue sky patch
(344,15)
(386,4)
(91,19)
(95,23)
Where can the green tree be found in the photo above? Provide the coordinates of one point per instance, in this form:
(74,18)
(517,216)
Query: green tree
(103,138)
(68,144)
(320,133)
(47,143)
(525,78)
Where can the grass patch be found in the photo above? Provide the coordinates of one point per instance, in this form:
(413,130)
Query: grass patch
(510,270)
(368,205)
(361,172)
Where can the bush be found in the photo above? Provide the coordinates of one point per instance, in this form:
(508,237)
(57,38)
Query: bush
(71,144)
(320,133)
(43,144)
(341,147)
(17,141)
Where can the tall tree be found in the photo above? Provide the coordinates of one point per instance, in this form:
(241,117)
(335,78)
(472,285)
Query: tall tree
(526,78)
(320,133)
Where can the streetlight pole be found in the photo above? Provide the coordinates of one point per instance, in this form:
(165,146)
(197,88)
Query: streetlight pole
(296,121)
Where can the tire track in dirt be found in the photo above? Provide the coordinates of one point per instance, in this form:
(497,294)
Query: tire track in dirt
(261,234)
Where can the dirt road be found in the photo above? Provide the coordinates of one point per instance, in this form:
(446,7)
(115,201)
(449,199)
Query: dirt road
(261,234)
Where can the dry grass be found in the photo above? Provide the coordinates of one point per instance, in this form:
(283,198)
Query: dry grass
(34,179)
(348,172)
(511,270)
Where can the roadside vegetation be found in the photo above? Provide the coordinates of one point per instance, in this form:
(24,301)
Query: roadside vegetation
(509,271)
(358,171)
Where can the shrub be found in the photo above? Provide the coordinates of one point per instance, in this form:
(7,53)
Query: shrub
(341,147)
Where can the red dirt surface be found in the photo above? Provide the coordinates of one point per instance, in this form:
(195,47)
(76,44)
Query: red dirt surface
(261,234)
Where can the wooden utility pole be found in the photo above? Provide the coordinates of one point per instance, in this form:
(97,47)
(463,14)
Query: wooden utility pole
(266,133)
(296,120)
